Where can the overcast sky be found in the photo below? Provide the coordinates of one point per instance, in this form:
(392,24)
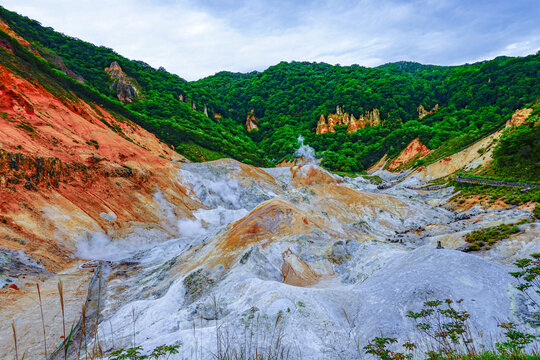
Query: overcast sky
(197,38)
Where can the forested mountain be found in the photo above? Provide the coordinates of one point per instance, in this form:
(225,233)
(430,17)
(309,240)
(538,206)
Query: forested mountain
(206,119)
(289,98)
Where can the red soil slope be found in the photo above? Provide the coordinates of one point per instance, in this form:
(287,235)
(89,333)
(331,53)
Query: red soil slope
(70,168)
(414,150)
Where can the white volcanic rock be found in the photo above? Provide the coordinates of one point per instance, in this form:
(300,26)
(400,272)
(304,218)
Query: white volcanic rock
(299,252)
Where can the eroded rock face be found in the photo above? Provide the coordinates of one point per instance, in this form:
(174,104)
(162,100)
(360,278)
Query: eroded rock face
(251,121)
(125,88)
(422,112)
(519,117)
(341,118)
(59,63)
(74,180)
(63,165)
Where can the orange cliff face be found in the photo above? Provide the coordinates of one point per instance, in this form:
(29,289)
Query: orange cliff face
(69,169)
(519,117)
(341,118)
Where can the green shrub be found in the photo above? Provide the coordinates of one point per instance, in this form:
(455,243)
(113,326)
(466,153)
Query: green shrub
(536,211)
(446,330)
(510,195)
(528,276)
(93,143)
(477,239)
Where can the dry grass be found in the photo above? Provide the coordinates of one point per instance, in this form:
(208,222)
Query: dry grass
(42,322)
(61,293)
(15,340)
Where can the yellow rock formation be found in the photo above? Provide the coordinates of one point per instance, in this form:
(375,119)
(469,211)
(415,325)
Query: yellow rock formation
(422,112)
(341,118)
(251,121)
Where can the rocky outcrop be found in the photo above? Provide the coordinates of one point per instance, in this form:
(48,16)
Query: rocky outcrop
(206,110)
(519,117)
(341,118)
(307,175)
(297,272)
(422,112)
(125,88)
(252,121)
(415,150)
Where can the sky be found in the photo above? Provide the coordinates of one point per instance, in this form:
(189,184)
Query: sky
(197,38)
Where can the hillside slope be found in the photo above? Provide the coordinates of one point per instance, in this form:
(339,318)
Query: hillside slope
(75,175)
(449,107)
(477,156)
(257,117)
(160,102)
(70,168)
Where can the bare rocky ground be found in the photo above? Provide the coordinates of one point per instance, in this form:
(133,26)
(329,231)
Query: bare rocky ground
(324,263)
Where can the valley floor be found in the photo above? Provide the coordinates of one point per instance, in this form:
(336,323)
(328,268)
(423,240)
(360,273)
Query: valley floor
(322,262)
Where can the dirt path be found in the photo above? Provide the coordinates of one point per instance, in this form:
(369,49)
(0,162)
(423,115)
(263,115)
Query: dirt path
(466,180)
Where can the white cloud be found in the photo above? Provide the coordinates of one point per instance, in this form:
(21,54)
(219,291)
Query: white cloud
(198,38)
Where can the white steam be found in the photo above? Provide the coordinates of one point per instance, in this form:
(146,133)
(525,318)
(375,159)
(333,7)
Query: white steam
(213,191)
(165,206)
(98,246)
(190,228)
(306,152)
